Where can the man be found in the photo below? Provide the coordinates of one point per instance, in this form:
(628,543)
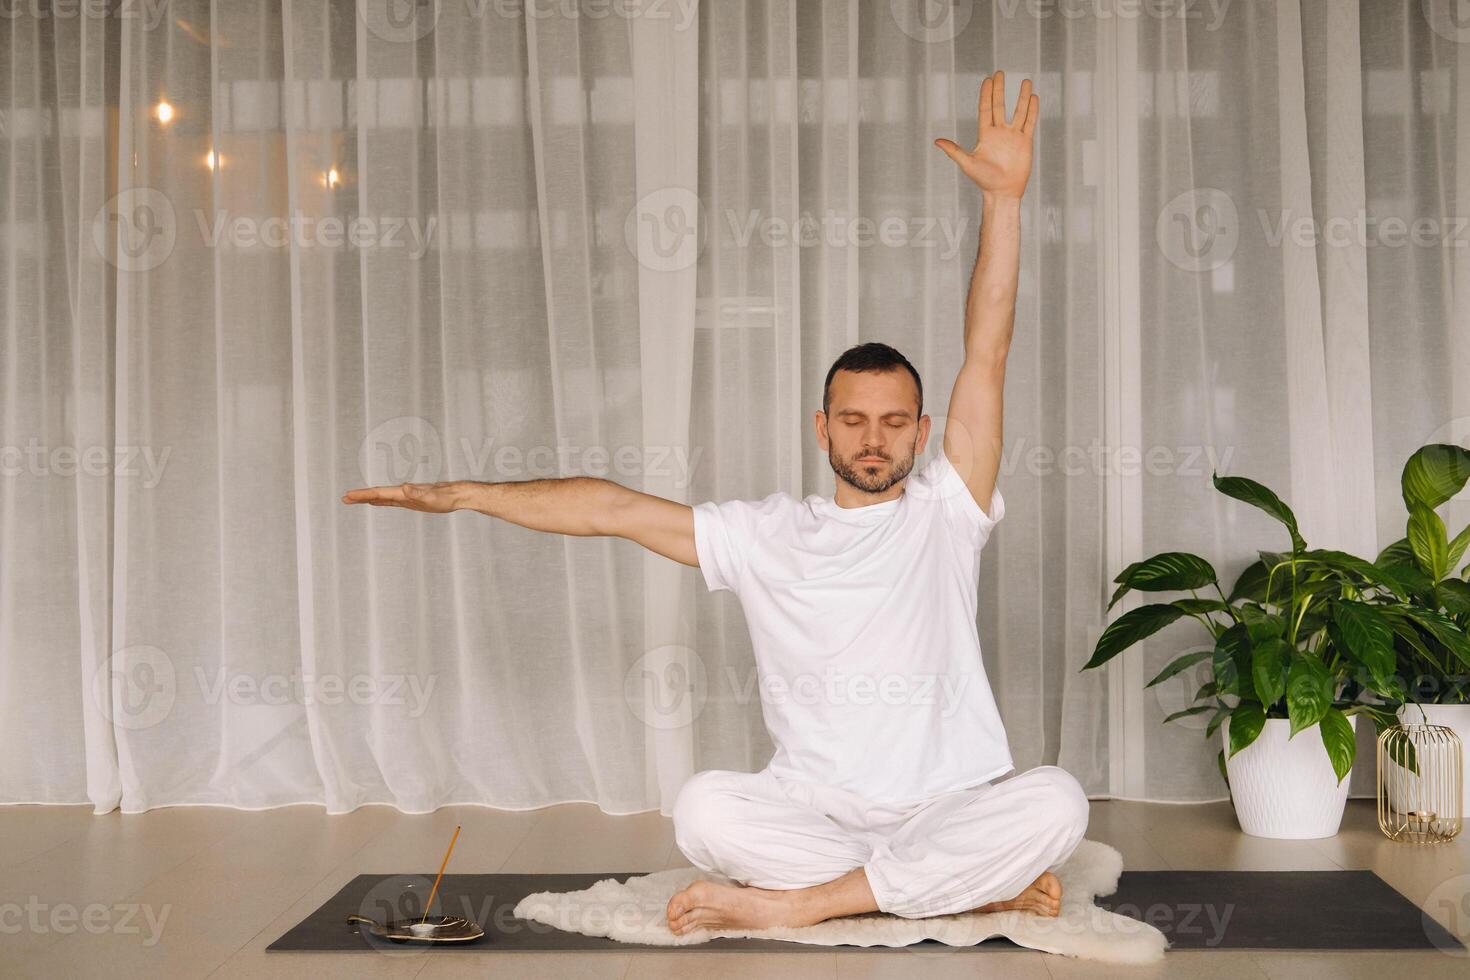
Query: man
(880,795)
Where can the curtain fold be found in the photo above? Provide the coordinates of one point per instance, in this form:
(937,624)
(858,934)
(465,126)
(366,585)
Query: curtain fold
(257,253)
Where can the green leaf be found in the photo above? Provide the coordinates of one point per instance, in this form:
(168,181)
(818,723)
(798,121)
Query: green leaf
(1193,606)
(1313,620)
(1183,662)
(1397,553)
(1457,549)
(1253,493)
(1231,659)
(1220,715)
(1357,570)
(1454,596)
(1401,751)
(1366,634)
(1268,670)
(1408,580)
(1252,583)
(1129,628)
(1446,631)
(1337,736)
(1246,722)
(1188,711)
(1225,775)
(1308,692)
(1284,577)
(1389,687)
(1407,633)
(1264,627)
(1382,717)
(1170,571)
(1430,541)
(1434,474)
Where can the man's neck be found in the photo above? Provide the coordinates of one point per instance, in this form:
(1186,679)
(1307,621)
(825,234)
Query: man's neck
(849,497)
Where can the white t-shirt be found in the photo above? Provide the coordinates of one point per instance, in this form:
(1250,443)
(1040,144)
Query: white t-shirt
(862,621)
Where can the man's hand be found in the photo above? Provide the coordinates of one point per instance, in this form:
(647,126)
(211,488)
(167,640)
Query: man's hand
(577,505)
(1000,163)
(427,498)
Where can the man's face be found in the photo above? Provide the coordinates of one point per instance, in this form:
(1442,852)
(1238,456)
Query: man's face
(873,431)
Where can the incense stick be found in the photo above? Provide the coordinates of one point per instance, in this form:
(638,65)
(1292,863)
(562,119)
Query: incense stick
(442,865)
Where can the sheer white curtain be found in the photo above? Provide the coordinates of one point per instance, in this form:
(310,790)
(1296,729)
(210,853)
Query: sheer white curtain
(256,253)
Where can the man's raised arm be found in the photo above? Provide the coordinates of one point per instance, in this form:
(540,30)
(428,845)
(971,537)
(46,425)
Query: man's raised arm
(1000,164)
(577,505)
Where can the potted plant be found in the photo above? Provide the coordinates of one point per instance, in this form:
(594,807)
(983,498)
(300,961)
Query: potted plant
(1431,626)
(1300,639)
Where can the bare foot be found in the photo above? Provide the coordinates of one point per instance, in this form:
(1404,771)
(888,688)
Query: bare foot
(1043,896)
(709,905)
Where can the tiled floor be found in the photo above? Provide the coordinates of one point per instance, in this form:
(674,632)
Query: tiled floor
(201,891)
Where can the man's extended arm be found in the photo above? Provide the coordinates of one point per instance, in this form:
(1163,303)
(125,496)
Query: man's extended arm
(1000,165)
(577,505)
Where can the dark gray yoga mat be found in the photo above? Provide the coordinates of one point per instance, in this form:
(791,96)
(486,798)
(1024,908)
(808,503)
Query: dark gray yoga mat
(1326,910)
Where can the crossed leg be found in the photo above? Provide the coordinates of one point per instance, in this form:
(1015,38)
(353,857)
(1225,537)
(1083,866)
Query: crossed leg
(986,849)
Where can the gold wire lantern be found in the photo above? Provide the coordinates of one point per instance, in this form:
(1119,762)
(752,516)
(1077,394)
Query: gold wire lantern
(1420,793)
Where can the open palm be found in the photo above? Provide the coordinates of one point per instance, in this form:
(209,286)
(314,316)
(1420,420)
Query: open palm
(1000,163)
(427,498)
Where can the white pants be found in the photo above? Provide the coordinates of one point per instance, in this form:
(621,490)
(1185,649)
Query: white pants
(951,853)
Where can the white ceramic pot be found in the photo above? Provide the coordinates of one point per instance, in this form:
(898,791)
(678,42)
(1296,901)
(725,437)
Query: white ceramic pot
(1286,787)
(1452,716)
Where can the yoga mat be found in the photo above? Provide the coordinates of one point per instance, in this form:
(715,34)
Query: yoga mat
(1326,910)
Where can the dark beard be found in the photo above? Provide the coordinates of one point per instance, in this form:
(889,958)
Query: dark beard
(862,477)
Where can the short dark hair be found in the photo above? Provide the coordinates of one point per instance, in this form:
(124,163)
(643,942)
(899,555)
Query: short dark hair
(869,357)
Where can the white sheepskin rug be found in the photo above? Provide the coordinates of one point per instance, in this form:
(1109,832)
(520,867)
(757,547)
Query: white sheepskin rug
(633,912)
